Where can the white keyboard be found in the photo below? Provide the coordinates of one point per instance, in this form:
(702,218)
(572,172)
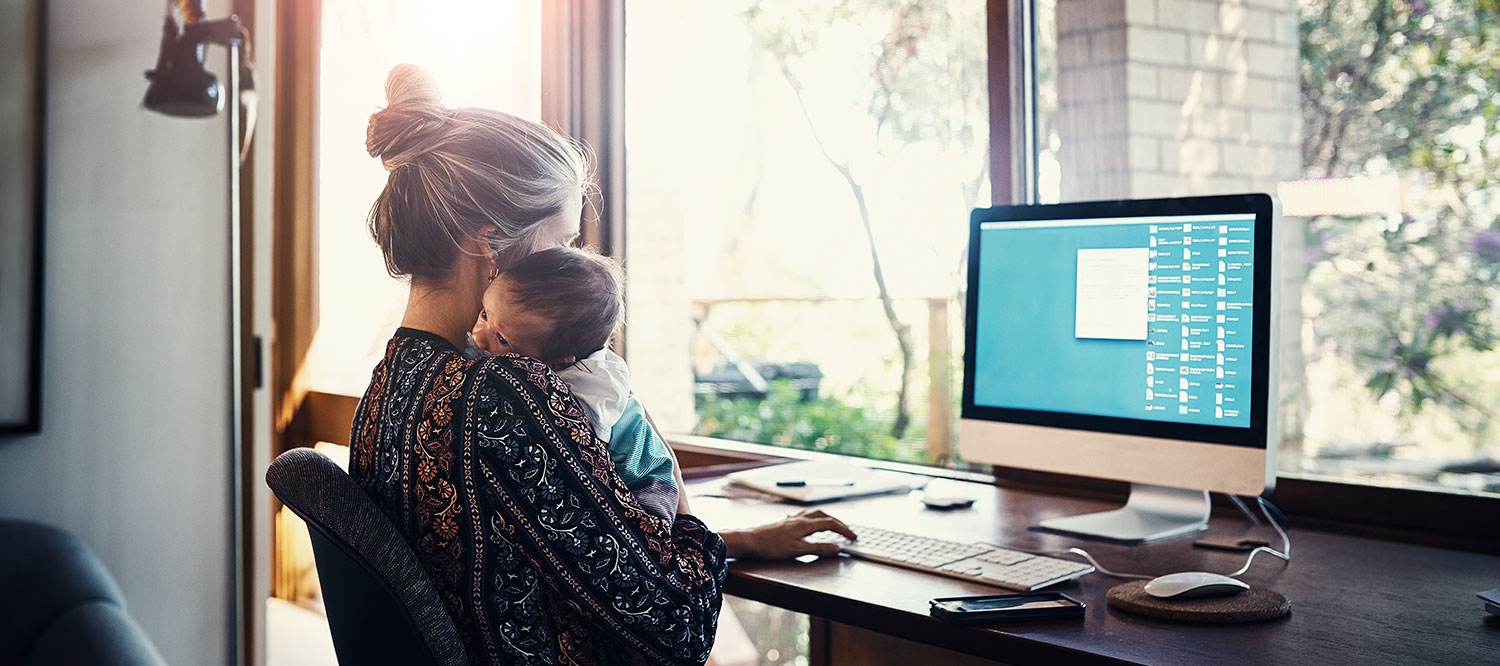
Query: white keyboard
(980,563)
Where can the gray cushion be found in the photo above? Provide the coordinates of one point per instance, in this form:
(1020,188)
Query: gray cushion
(44,572)
(96,633)
(313,487)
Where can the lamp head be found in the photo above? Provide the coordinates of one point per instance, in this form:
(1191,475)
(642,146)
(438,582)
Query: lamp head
(180,86)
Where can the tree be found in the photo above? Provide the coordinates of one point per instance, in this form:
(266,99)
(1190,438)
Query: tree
(1408,87)
(927,84)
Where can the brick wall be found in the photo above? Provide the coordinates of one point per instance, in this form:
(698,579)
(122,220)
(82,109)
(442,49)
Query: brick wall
(658,329)
(1175,97)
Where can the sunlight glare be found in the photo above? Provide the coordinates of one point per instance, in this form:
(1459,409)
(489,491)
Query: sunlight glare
(482,53)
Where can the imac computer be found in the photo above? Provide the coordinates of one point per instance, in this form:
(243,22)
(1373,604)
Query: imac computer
(1128,340)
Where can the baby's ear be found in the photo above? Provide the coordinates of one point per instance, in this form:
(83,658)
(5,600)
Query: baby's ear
(563,363)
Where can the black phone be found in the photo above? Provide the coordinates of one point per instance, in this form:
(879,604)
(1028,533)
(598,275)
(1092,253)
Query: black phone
(1006,607)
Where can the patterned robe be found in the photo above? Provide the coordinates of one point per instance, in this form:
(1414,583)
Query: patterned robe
(491,470)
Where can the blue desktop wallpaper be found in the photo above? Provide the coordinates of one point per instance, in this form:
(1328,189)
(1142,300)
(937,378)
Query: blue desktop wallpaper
(1027,356)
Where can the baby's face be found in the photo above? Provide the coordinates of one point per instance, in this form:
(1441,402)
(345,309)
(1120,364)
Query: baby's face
(508,328)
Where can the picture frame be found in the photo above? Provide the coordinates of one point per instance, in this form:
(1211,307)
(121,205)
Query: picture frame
(22,197)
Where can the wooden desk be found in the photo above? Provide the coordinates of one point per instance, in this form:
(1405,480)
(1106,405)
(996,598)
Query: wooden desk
(1354,601)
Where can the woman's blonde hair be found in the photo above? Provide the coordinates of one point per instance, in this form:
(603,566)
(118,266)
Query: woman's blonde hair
(461,174)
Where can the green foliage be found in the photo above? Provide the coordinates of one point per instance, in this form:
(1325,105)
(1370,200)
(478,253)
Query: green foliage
(821,424)
(1408,87)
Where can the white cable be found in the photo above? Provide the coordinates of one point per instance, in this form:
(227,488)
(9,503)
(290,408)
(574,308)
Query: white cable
(1240,504)
(1258,550)
(1100,568)
(1285,553)
(1286,541)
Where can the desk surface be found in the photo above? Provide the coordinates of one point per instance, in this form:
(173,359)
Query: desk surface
(1354,601)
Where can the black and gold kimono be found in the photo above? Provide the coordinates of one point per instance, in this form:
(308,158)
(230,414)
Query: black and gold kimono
(491,471)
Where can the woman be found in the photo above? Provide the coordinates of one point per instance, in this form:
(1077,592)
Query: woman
(489,467)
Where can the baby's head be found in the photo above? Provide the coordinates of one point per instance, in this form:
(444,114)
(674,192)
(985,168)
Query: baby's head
(557,306)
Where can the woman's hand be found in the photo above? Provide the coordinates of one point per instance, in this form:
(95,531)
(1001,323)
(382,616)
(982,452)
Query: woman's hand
(786,539)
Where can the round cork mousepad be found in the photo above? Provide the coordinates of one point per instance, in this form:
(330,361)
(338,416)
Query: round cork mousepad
(1253,605)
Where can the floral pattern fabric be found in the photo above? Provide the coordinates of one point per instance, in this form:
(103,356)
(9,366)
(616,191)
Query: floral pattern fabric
(491,470)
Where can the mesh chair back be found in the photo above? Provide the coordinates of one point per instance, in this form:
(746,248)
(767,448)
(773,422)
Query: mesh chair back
(382,608)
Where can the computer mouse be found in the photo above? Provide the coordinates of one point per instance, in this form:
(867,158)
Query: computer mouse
(946,502)
(1194,585)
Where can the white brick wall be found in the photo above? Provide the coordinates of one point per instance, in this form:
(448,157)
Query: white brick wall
(1217,52)
(1287,6)
(1185,85)
(1245,91)
(1253,24)
(1143,78)
(1191,16)
(1145,153)
(1157,46)
(1192,156)
(657,329)
(1272,60)
(1138,13)
(1151,117)
(1284,28)
(1274,127)
(1207,102)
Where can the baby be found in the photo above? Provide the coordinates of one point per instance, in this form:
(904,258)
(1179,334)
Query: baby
(559,306)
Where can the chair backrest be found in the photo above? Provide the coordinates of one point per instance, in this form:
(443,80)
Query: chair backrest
(382,608)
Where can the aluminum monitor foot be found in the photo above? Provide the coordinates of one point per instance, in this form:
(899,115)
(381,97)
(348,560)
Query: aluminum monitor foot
(1152,513)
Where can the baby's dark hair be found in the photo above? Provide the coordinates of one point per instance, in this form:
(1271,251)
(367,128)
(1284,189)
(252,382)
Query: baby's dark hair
(579,291)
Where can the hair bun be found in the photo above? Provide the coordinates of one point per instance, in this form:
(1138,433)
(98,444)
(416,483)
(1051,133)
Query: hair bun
(412,120)
(410,85)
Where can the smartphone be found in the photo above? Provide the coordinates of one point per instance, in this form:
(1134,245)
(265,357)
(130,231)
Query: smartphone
(1006,607)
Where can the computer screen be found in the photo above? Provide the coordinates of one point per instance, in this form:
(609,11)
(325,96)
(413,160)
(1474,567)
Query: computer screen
(1130,340)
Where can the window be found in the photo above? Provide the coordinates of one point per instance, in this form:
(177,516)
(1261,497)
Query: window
(1376,123)
(800,176)
(491,57)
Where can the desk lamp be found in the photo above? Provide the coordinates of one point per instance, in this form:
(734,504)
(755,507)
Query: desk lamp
(180,86)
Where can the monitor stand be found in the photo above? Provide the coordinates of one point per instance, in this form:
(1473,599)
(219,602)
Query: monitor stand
(1152,513)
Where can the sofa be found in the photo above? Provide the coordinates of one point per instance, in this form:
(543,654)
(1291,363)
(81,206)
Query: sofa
(59,606)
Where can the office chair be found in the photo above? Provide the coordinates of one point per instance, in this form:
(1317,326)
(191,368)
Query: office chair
(382,608)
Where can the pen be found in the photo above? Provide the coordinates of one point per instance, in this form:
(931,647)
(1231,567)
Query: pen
(798,483)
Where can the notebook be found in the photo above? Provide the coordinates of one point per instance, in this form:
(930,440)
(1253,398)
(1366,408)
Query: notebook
(810,482)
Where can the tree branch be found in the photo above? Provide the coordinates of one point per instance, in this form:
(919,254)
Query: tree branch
(900,328)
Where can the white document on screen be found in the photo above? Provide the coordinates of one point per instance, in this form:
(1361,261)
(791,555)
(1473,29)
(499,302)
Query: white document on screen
(1112,299)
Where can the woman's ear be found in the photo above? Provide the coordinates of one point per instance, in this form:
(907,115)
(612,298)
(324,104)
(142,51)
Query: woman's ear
(486,256)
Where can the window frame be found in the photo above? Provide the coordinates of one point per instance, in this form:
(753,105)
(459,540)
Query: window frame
(584,82)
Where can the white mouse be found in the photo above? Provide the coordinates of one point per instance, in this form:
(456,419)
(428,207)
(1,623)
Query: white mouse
(1194,585)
